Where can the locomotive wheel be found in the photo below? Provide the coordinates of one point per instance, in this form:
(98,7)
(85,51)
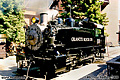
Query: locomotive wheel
(101,55)
(50,73)
(68,67)
(93,59)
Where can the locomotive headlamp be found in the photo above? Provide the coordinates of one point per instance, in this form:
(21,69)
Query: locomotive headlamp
(35,20)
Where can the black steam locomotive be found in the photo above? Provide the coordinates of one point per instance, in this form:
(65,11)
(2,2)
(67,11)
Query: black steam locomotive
(61,47)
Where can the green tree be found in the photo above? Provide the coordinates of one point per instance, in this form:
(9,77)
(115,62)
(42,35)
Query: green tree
(85,9)
(12,20)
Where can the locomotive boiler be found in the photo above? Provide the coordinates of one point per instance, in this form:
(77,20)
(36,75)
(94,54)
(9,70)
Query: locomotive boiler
(55,47)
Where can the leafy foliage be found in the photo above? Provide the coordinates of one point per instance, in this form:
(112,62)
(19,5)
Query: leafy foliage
(12,20)
(85,8)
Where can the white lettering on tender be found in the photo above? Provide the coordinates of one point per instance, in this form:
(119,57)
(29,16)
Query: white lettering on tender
(81,39)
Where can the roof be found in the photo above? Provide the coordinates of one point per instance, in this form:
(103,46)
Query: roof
(37,5)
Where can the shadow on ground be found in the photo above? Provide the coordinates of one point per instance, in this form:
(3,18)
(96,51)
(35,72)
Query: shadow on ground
(100,74)
(10,74)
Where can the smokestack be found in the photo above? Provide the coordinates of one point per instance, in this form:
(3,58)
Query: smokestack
(43,19)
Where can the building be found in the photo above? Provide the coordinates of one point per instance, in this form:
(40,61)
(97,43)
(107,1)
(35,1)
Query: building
(119,33)
(113,25)
(37,7)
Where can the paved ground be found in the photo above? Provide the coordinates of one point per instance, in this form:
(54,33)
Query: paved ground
(7,65)
(7,68)
(92,71)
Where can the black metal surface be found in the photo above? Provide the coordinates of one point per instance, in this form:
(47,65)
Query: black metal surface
(76,38)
